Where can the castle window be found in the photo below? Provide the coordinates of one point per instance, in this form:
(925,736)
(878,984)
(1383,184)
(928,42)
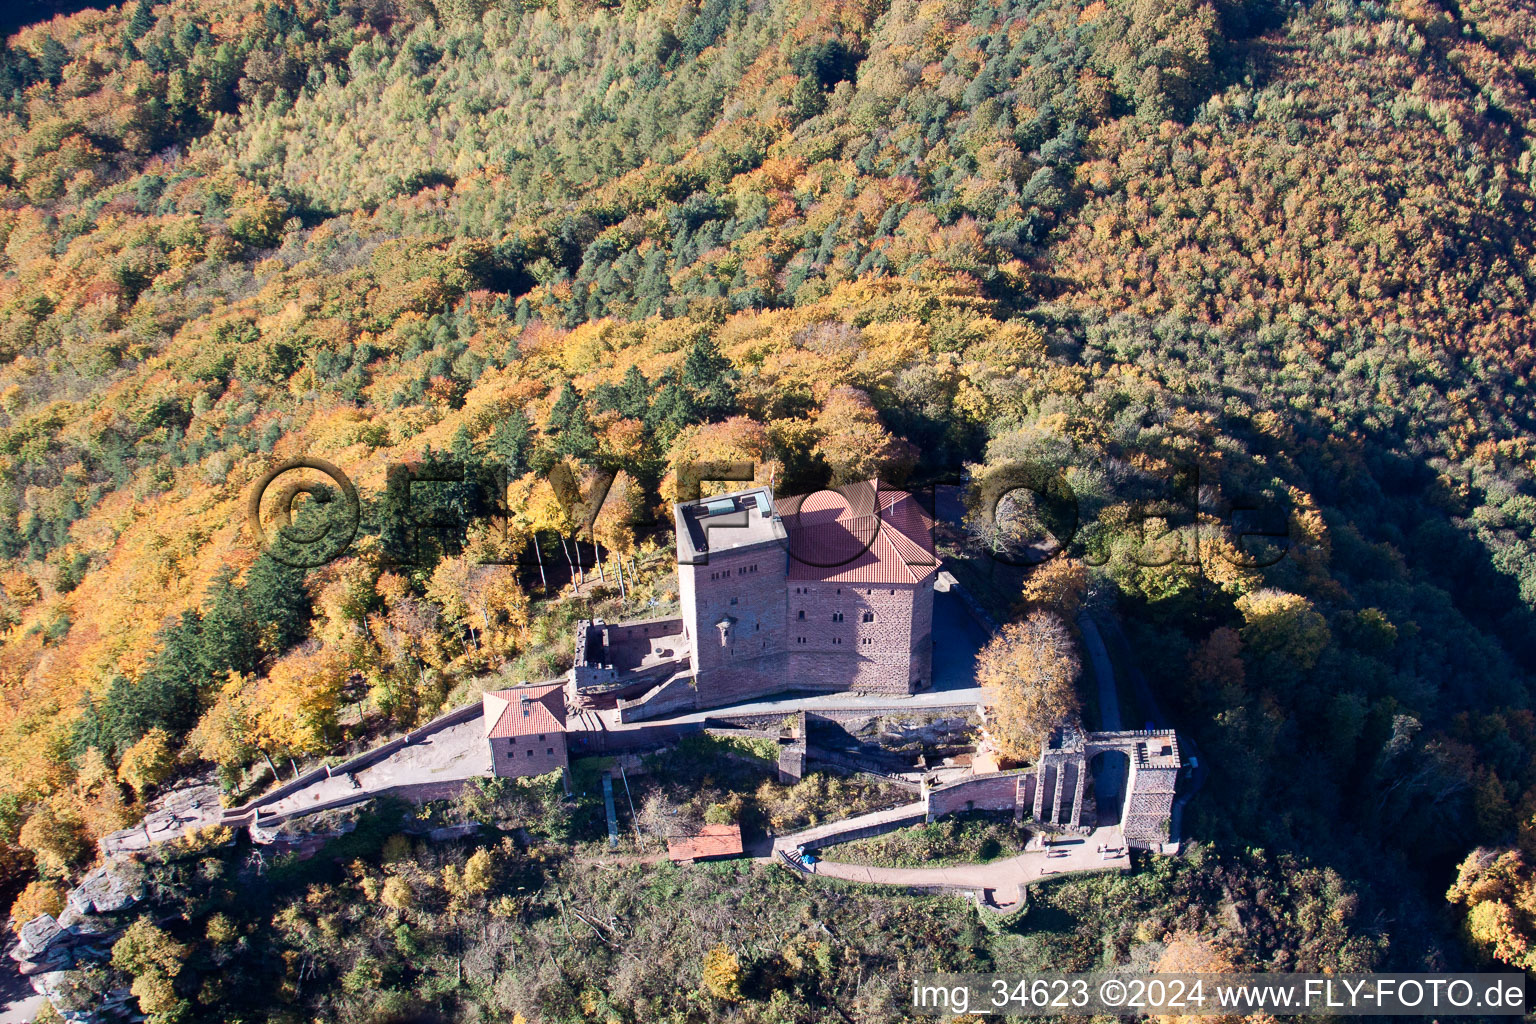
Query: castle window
(802,614)
(799,639)
(530,751)
(551,750)
(733,600)
(837,616)
(837,639)
(869,616)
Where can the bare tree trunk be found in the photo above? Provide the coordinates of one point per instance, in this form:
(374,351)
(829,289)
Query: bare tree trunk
(268,758)
(618,570)
(565,549)
(543,580)
(597,556)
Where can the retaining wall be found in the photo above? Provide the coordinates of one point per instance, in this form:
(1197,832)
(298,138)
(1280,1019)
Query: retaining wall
(355,764)
(627,741)
(999,791)
(877,829)
(416,793)
(675,694)
(768,719)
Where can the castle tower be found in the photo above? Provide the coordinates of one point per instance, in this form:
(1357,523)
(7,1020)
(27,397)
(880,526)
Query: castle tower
(732,555)
(832,591)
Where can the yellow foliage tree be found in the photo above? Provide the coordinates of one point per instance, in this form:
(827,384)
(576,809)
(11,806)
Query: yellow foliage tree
(397,894)
(148,762)
(1057,585)
(479,872)
(722,975)
(855,444)
(56,835)
(39,897)
(1284,626)
(737,439)
(296,705)
(1498,888)
(224,734)
(614,526)
(154,959)
(1189,953)
(1031,668)
(94,771)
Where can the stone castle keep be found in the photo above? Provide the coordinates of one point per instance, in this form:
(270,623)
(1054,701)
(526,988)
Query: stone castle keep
(822,593)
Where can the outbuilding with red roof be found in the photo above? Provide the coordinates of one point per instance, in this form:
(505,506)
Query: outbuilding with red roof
(712,842)
(525,726)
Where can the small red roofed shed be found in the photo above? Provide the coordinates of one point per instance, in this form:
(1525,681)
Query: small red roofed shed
(713,842)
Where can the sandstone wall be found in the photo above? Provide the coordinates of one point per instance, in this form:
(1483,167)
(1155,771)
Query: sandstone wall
(536,754)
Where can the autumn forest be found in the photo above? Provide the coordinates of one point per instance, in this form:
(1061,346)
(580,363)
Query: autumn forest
(1286,246)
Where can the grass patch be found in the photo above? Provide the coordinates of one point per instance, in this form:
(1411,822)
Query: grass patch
(974,838)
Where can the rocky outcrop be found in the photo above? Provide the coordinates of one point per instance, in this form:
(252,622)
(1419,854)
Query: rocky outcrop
(77,999)
(106,890)
(65,957)
(190,808)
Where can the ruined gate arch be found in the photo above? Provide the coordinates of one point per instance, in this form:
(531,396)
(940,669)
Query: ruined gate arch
(1152,761)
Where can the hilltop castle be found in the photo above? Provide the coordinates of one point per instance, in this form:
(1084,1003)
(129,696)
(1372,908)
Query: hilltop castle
(826,592)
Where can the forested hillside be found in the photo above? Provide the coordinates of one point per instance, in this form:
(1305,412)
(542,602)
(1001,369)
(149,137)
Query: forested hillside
(1290,244)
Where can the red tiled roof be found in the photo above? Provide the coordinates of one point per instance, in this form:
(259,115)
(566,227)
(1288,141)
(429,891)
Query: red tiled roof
(840,537)
(712,841)
(524,710)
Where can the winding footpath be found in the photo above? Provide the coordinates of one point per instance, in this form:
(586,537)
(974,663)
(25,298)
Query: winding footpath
(999,883)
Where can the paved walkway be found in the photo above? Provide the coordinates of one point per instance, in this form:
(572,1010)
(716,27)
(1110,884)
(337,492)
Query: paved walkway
(965,697)
(1103,849)
(451,754)
(19,1004)
(1103,672)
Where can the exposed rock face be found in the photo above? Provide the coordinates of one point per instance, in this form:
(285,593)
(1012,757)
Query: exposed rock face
(193,807)
(899,732)
(64,956)
(104,891)
(77,1002)
(324,825)
(36,936)
(447,832)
